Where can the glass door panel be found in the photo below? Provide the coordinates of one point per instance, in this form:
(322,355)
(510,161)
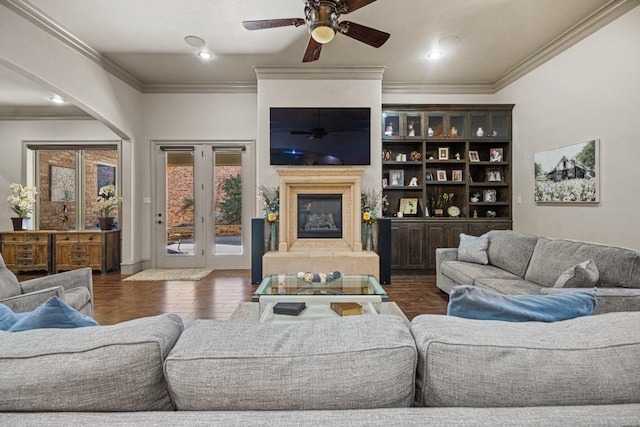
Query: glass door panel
(227,202)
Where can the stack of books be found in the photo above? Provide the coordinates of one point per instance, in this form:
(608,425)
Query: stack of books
(346,308)
(289,308)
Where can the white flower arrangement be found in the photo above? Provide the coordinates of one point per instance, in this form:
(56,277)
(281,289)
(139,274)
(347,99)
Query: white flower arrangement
(22,200)
(107,200)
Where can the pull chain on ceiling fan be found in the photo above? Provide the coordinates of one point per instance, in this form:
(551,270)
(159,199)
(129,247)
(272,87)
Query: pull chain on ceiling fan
(321,17)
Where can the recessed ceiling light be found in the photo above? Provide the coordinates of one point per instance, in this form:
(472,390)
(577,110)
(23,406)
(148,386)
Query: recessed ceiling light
(435,54)
(57,99)
(194,41)
(205,54)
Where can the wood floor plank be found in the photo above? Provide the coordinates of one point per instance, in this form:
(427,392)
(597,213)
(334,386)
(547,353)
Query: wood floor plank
(217,295)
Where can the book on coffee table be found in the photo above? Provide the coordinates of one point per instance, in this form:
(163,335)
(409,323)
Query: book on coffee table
(346,308)
(289,308)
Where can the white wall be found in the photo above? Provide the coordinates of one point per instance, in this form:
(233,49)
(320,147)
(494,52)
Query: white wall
(590,91)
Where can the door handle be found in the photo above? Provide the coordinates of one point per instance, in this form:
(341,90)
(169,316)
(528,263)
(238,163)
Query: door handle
(159,222)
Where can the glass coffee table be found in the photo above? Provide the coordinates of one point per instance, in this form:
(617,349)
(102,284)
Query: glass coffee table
(362,289)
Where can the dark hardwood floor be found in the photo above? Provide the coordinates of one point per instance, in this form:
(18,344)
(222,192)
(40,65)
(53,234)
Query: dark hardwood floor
(217,295)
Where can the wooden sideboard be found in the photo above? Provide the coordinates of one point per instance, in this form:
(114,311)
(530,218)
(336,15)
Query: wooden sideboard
(56,251)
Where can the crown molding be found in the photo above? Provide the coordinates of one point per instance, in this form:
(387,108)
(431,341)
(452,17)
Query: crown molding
(227,87)
(25,117)
(437,88)
(46,23)
(603,16)
(320,73)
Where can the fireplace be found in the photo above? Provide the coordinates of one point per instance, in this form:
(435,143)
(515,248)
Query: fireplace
(319,216)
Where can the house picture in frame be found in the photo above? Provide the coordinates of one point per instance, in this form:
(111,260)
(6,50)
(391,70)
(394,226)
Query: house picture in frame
(568,174)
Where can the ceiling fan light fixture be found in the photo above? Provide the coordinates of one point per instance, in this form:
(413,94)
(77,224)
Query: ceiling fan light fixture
(323,34)
(435,54)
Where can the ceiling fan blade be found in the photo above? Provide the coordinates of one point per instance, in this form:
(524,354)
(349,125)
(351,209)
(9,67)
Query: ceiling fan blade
(272,23)
(370,36)
(313,51)
(356,4)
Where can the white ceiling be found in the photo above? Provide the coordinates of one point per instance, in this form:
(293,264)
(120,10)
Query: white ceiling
(142,41)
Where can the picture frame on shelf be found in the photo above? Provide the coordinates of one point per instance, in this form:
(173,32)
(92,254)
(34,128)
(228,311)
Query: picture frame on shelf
(443,153)
(496,155)
(494,175)
(396,178)
(457,175)
(408,206)
(489,196)
(441,174)
(474,157)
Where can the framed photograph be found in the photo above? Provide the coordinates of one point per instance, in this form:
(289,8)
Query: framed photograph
(106,175)
(495,154)
(473,156)
(442,175)
(396,177)
(457,175)
(443,153)
(489,196)
(494,175)
(63,184)
(408,206)
(568,174)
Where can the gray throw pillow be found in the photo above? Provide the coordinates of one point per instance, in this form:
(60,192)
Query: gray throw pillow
(583,275)
(473,249)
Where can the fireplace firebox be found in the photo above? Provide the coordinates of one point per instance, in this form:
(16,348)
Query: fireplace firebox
(319,216)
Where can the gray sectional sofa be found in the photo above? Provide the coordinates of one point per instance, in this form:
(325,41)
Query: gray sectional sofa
(522,264)
(360,370)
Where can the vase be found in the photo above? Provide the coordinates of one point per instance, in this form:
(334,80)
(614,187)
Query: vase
(106,222)
(368,237)
(273,236)
(20,224)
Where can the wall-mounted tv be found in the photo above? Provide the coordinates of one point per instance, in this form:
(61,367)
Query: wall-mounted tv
(320,136)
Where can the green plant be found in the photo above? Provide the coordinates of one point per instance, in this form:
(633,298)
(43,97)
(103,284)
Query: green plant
(441,200)
(231,204)
(187,204)
(270,197)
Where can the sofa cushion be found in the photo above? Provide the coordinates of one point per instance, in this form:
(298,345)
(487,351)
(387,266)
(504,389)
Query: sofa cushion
(105,368)
(551,257)
(339,363)
(510,251)
(54,313)
(589,360)
(609,299)
(9,285)
(473,249)
(77,297)
(466,273)
(583,275)
(472,302)
(509,286)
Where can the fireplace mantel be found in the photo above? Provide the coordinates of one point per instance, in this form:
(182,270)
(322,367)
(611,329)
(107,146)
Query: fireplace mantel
(311,180)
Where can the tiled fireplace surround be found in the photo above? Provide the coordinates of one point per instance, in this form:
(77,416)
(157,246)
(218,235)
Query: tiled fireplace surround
(320,255)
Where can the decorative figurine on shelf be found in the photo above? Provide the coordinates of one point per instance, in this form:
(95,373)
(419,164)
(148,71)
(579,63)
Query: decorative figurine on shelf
(494,133)
(413,182)
(457,156)
(64,218)
(480,132)
(415,156)
(429,132)
(454,131)
(475,214)
(385,182)
(475,197)
(491,214)
(412,131)
(388,130)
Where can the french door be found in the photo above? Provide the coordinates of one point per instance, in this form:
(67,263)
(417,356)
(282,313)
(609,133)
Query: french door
(203,204)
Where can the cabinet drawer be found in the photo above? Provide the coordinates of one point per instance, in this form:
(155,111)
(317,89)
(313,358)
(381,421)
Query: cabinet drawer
(15,237)
(26,262)
(78,256)
(79,262)
(20,255)
(36,238)
(67,237)
(91,237)
(24,248)
(79,248)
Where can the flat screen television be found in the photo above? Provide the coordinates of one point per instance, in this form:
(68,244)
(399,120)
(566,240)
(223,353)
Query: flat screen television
(320,136)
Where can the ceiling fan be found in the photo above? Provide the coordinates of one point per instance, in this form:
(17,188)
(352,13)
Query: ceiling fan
(321,16)
(313,133)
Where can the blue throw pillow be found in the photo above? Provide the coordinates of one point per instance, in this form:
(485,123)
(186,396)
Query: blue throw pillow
(54,313)
(472,302)
(8,318)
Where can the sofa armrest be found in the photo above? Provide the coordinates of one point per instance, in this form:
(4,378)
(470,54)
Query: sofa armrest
(608,299)
(68,280)
(32,300)
(444,254)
